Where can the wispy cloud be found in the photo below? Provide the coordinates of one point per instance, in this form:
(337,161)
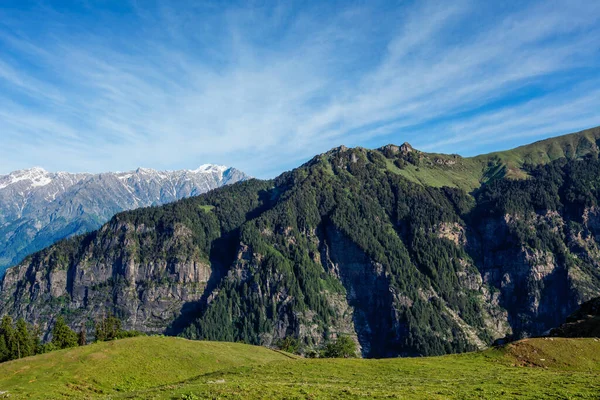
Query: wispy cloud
(265,87)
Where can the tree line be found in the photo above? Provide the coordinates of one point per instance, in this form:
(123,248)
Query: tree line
(20,339)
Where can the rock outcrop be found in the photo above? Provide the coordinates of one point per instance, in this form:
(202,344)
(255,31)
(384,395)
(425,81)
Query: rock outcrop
(107,277)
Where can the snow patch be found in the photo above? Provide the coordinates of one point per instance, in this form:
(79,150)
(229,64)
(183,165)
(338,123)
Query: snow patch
(210,168)
(37,176)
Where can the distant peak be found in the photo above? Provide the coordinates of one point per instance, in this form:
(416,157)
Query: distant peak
(36,176)
(204,168)
(142,170)
(36,170)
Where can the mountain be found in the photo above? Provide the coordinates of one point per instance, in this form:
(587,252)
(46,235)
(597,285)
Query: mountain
(38,208)
(410,253)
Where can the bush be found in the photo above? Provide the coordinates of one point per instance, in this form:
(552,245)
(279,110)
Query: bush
(110,329)
(343,347)
(289,344)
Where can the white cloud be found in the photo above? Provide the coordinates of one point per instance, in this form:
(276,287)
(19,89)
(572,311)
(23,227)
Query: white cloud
(263,89)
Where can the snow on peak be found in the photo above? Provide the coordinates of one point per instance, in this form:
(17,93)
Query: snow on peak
(36,176)
(142,170)
(209,168)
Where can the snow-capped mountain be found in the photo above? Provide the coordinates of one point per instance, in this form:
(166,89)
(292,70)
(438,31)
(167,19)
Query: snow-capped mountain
(38,208)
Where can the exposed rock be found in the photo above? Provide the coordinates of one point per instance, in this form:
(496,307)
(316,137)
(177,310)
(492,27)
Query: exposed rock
(444,161)
(406,148)
(453,232)
(146,295)
(390,149)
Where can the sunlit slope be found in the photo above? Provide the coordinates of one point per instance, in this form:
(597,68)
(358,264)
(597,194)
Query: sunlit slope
(125,365)
(510,163)
(468,173)
(170,368)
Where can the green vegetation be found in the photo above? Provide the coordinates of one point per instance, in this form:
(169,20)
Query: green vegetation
(63,337)
(570,147)
(342,347)
(411,243)
(171,368)
(123,366)
(109,328)
(21,340)
(438,170)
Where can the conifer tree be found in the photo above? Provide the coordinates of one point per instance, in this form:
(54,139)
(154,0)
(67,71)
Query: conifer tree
(109,328)
(7,331)
(24,340)
(63,337)
(4,353)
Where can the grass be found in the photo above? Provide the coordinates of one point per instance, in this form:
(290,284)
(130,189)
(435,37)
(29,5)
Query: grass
(207,207)
(470,172)
(466,175)
(572,146)
(171,368)
(123,366)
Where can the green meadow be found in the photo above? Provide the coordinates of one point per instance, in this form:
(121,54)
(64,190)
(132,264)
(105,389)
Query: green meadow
(173,368)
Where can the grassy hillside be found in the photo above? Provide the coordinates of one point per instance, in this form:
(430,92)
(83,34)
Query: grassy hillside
(170,368)
(573,146)
(124,366)
(438,170)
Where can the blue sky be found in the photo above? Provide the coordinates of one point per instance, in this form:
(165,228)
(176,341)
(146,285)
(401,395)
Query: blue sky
(104,85)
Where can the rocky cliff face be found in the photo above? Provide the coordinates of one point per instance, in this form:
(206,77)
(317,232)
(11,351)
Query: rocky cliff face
(38,208)
(107,277)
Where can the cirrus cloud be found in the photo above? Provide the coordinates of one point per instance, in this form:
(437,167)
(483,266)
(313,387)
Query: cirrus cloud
(265,86)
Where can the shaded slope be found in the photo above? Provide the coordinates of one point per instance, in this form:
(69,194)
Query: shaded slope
(585,322)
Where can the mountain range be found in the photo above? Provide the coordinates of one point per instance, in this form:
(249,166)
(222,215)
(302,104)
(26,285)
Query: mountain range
(409,253)
(38,208)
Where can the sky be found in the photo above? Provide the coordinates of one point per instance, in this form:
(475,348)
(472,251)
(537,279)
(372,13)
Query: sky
(112,85)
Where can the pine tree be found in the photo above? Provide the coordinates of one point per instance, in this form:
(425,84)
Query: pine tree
(63,337)
(4,353)
(7,331)
(23,339)
(36,335)
(100,332)
(109,328)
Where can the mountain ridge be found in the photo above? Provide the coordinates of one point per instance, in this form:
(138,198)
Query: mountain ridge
(41,207)
(354,242)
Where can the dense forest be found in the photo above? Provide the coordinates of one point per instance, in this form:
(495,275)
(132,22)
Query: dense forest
(348,245)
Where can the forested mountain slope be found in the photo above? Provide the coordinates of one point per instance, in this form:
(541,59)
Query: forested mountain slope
(371,243)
